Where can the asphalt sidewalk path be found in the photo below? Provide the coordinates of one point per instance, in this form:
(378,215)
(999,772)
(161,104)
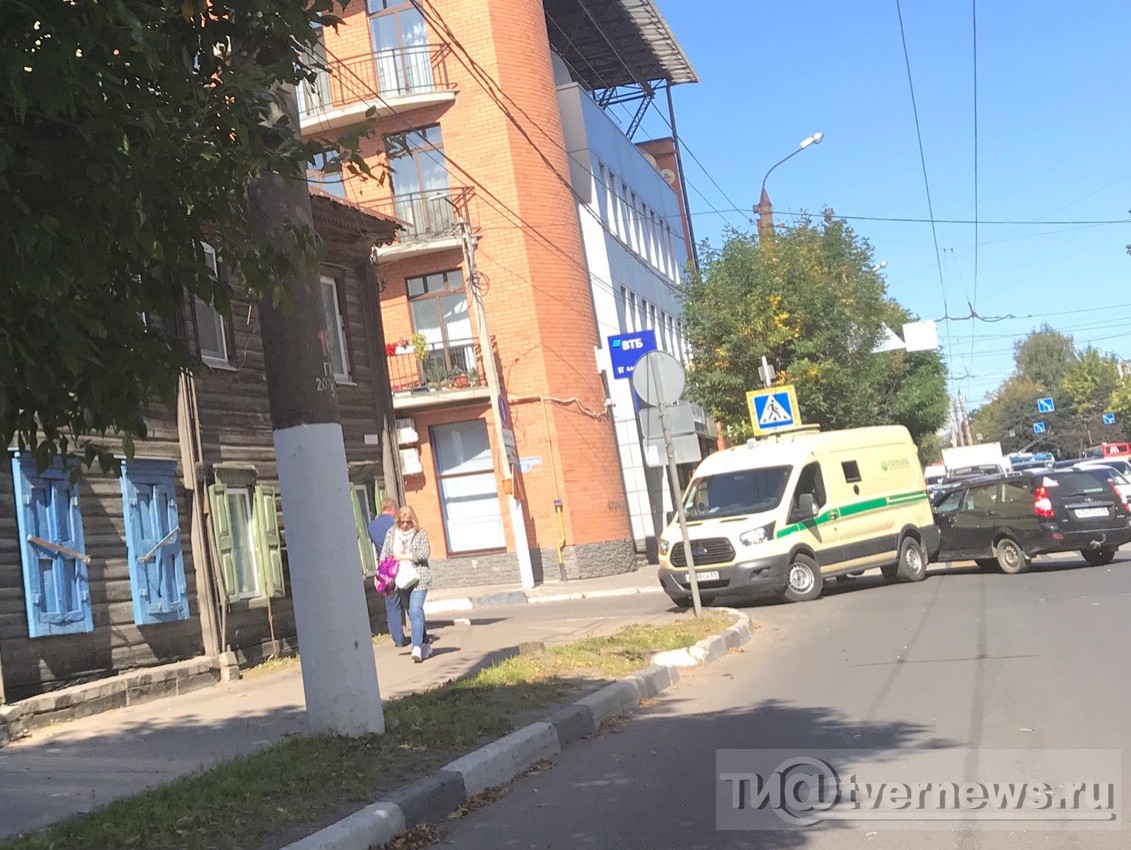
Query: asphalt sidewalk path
(82,764)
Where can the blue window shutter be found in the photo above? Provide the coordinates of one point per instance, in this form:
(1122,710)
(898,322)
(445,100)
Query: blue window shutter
(268,540)
(56,587)
(153,534)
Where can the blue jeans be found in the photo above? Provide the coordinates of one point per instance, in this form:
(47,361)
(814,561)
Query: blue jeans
(395,604)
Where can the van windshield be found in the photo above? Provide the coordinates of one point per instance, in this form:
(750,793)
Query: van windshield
(747,491)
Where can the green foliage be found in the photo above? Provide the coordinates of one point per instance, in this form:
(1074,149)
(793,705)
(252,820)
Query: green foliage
(1044,356)
(130,131)
(807,299)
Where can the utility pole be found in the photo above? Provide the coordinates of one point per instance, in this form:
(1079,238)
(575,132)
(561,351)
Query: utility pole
(498,404)
(339,675)
(966,433)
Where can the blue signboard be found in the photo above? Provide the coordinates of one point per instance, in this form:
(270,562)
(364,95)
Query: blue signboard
(1038,427)
(1046,405)
(1109,419)
(626,349)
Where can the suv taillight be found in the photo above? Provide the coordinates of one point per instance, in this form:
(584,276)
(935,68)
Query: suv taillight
(1042,504)
(1119,500)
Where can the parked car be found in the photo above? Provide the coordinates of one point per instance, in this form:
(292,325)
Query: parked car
(1119,464)
(1005,520)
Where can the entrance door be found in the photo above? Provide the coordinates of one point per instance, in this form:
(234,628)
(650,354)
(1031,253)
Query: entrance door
(469,497)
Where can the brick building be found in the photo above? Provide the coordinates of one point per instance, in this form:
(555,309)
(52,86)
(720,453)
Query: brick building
(508,447)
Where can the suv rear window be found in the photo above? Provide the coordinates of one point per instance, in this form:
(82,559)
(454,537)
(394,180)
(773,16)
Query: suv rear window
(1068,484)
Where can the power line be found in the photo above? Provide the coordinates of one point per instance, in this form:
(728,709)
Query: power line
(966,221)
(923,161)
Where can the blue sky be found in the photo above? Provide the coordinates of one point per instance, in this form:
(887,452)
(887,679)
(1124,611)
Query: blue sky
(1053,144)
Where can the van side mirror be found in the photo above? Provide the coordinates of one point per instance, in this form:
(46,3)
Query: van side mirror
(806,505)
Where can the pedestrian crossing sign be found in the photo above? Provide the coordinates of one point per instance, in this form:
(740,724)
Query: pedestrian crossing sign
(773,409)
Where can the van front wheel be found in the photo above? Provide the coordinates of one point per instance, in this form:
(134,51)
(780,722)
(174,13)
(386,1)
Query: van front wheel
(805,580)
(912,560)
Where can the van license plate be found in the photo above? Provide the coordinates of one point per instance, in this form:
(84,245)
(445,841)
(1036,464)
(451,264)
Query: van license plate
(706,575)
(1088,513)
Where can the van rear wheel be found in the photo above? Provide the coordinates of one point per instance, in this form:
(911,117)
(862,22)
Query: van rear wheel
(805,580)
(1011,558)
(912,560)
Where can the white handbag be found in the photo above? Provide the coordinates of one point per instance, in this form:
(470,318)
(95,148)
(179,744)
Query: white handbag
(408,576)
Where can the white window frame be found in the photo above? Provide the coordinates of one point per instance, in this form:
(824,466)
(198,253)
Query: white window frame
(207,313)
(338,335)
(244,494)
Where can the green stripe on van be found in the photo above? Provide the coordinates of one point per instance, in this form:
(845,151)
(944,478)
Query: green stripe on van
(855,509)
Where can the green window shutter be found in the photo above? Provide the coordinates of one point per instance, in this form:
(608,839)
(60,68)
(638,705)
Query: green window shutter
(222,537)
(268,541)
(368,557)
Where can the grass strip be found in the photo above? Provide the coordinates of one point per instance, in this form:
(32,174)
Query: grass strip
(246,802)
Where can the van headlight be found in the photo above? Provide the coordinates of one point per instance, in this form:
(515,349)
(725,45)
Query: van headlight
(757,535)
(664,546)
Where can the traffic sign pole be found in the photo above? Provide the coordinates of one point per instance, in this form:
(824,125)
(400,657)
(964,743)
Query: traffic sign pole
(677,497)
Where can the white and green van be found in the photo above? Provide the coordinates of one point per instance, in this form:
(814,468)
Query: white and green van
(782,514)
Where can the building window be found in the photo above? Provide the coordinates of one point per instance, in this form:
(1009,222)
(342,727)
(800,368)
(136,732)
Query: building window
(153,541)
(52,550)
(330,182)
(438,303)
(632,322)
(418,173)
(614,206)
(211,328)
(245,529)
(335,329)
(652,316)
(400,47)
(469,498)
(602,196)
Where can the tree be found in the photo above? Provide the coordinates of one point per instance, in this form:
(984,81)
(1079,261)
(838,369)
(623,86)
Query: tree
(131,131)
(807,299)
(1044,356)
(1089,383)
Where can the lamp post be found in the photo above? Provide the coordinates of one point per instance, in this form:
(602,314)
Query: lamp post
(764,209)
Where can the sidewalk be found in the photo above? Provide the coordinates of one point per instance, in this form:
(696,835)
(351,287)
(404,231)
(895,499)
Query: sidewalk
(73,767)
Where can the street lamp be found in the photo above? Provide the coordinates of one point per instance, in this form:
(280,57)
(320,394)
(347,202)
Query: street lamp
(764,209)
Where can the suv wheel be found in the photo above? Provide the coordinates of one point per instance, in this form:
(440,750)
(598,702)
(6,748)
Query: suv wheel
(1099,557)
(912,560)
(805,580)
(1011,558)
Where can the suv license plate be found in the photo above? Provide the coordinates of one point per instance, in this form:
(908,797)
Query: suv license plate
(1088,513)
(706,575)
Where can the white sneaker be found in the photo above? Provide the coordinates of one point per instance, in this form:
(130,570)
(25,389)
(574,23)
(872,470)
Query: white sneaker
(417,654)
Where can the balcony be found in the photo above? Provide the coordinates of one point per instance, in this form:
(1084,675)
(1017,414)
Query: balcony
(445,375)
(429,221)
(389,81)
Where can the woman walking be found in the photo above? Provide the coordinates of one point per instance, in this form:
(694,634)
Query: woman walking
(407,543)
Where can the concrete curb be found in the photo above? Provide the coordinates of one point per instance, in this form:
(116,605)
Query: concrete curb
(523,597)
(433,798)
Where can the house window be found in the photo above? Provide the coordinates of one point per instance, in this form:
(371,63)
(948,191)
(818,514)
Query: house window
(419,177)
(153,541)
(245,529)
(469,499)
(400,47)
(330,182)
(335,329)
(52,550)
(211,328)
(438,303)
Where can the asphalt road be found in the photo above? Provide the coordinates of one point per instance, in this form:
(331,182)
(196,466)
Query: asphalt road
(941,681)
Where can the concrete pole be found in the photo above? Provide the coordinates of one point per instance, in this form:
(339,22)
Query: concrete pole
(339,674)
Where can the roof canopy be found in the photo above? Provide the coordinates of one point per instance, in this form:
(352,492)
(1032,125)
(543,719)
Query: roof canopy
(611,43)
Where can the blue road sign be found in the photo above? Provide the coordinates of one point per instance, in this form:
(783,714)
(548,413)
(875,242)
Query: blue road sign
(626,349)
(1109,419)
(1038,427)
(1046,405)
(773,409)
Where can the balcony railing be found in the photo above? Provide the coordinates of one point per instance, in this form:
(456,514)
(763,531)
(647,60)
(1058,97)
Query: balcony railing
(395,73)
(428,215)
(444,367)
